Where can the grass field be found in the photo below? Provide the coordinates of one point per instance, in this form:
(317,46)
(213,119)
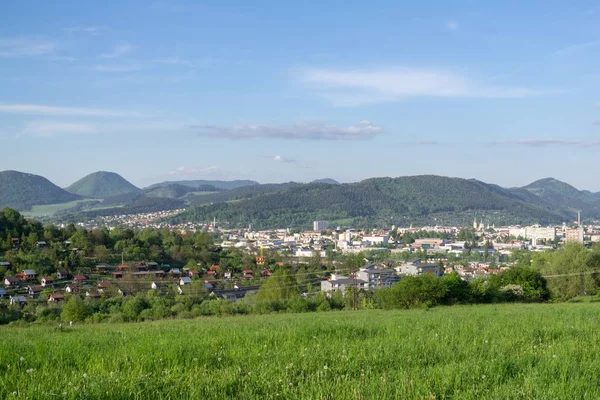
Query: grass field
(472,352)
(51,209)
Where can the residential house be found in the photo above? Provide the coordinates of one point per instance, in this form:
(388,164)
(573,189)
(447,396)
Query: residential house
(377,277)
(234,295)
(102,286)
(55,297)
(117,275)
(27,275)
(341,283)
(34,290)
(157,285)
(184,280)
(417,267)
(41,244)
(11,281)
(71,289)
(248,274)
(79,279)
(93,293)
(175,272)
(227,274)
(5,264)
(62,274)
(193,273)
(17,301)
(47,280)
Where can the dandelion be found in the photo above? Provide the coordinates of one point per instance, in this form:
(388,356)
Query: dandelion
(64,394)
(249,373)
(290,385)
(219,359)
(85,376)
(486,342)
(195,359)
(325,367)
(14,393)
(554,356)
(483,377)
(29,371)
(21,359)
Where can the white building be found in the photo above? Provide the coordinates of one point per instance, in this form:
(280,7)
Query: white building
(320,225)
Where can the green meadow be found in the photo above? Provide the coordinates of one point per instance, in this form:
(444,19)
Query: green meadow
(510,351)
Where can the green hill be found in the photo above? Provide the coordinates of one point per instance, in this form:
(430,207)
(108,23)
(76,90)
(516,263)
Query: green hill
(20,191)
(102,184)
(176,190)
(196,184)
(566,196)
(378,201)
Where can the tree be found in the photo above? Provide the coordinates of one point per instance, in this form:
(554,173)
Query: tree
(281,285)
(75,310)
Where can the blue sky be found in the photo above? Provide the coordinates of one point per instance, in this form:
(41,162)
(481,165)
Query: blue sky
(277,91)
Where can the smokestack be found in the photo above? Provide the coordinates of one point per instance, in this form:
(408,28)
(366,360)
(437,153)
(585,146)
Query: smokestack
(578,218)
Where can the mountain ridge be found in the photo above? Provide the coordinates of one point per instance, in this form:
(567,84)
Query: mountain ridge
(102,184)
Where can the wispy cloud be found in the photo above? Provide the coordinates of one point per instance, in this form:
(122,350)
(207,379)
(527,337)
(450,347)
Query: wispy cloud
(576,48)
(542,142)
(84,29)
(452,25)
(37,109)
(26,47)
(172,61)
(118,51)
(279,158)
(186,171)
(364,86)
(55,128)
(309,131)
(117,68)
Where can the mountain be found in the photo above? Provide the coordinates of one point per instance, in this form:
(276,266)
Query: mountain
(225,185)
(20,191)
(326,180)
(102,184)
(566,196)
(378,201)
(176,190)
(240,193)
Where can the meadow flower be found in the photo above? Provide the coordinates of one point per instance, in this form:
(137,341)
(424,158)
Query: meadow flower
(554,356)
(325,367)
(85,375)
(219,359)
(14,393)
(21,359)
(290,385)
(29,371)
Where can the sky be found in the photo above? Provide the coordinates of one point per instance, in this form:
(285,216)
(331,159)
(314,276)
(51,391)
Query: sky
(279,91)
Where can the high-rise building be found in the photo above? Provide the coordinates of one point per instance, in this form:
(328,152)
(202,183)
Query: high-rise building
(574,235)
(320,225)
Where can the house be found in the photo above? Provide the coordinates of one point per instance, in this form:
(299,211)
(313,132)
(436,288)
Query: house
(5,264)
(11,281)
(103,285)
(234,295)
(152,265)
(41,244)
(175,272)
(248,274)
(34,290)
(341,283)
(193,273)
(62,274)
(104,268)
(55,297)
(117,275)
(47,280)
(157,285)
(79,279)
(227,274)
(377,277)
(93,293)
(125,292)
(17,301)
(185,280)
(266,273)
(28,275)
(417,267)
(70,289)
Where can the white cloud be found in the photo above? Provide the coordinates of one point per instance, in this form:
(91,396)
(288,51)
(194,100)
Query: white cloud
(117,51)
(54,128)
(36,109)
(364,86)
(26,47)
(541,142)
(576,48)
(84,29)
(172,61)
(452,25)
(117,68)
(186,171)
(310,131)
(279,158)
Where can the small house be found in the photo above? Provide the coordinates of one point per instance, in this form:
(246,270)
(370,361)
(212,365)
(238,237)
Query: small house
(34,290)
(175,272)
(70,289)
(227,274)
(157,285)
(5,264)
(55,297)
(17,301)
(185,280)
(103,285)
(11,281)
(62,274)
(41,244)
(47,280)
(28,275)
(248,274)
(93,293)
(79,279)
(117,275)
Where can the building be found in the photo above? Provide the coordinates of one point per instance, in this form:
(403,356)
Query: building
(379,239)
(574,235)
(320,225)
(377,277)
(427,243)
(341,283)
(417,267)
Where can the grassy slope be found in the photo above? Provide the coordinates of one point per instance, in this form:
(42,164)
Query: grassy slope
(477,352)
(51,209)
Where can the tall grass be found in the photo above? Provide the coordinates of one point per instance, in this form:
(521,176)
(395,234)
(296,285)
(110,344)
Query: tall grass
(546,351)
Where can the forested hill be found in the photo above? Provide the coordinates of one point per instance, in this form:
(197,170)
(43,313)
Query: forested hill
(101,185)
(20,191)
(378,201)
